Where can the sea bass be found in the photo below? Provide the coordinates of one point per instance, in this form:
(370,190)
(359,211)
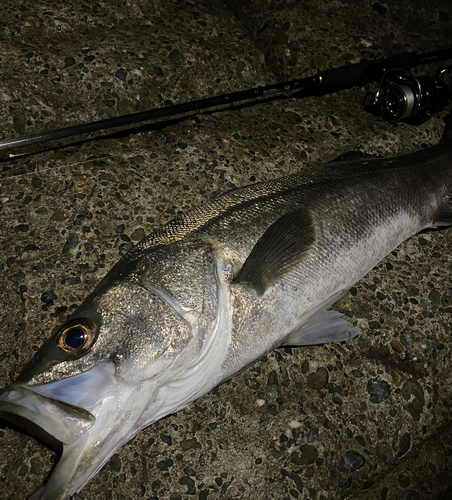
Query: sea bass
(205,296)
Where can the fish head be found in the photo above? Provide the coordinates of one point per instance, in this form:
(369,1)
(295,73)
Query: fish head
(97,380)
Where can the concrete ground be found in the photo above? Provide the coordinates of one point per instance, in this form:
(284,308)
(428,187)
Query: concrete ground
(366,419)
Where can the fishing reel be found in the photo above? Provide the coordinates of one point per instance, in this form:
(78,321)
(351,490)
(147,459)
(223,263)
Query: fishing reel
(403,96)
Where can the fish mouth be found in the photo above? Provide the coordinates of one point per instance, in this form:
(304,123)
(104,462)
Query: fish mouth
(55,422)
(87,417)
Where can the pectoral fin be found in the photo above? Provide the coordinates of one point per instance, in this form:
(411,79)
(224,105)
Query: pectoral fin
(327,327)
(278,251)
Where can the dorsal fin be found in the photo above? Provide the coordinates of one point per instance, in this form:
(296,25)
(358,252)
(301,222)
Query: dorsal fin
(183,225)
(278,251)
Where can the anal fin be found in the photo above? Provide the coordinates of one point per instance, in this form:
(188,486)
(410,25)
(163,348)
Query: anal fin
(327,327)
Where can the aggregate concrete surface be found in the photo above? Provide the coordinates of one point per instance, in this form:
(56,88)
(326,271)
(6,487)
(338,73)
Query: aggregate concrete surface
(365,419)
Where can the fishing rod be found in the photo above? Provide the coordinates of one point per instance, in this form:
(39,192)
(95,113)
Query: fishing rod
(401,95)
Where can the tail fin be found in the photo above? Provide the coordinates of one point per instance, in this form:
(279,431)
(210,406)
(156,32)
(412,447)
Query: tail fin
(447,137)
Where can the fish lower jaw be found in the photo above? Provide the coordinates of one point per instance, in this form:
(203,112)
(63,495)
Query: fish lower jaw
(88,437)
(119,420)
(51,422)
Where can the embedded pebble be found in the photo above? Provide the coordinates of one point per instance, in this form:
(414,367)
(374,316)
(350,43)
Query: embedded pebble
(413,392)
(188,444)
(384,452)
(48,297)
(164,465)
(404,444)
(308,455)
(176,57)
(71,242)
(379,390)
(115,463)
(138,234)
(188,481)
(272,378)
(68,62)
(121,74)
(435,298)
(58,216)
(361,310)
(37,466)
(354,460)
(318,380)
(252,383)
(397,346)
(19,122)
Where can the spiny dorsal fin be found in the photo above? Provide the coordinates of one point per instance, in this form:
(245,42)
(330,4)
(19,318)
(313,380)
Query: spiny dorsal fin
(180,227)
(279,250)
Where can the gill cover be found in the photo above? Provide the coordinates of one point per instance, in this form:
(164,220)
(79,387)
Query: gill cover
(93,385)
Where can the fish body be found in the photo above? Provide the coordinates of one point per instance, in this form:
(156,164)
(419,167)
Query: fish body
(200,299)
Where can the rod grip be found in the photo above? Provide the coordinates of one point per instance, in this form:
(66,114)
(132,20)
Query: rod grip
(345,75)
(366,71)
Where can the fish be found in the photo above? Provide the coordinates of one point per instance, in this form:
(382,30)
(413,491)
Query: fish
(206,295)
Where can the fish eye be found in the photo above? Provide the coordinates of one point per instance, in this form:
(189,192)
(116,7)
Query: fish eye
(76,336)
